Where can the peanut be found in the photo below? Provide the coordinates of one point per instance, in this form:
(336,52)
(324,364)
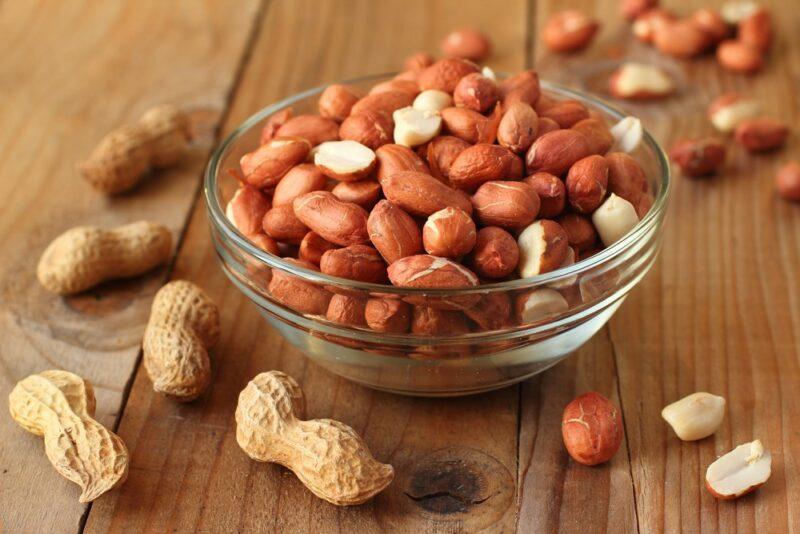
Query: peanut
(296,293)
(85,256)
(695,416)
(303,178)
(482,163)
(736,56)
(569,31)
(328,457)
(124,156)
(364,193)
(337,100)
(393,232)
(551,191)
(418,62)
(312,247)
(542,248)
(346,310)
(246,210)
(449,233)
(282,224)
(587,183)
(388,315)
(787,181)
(385,101)
(492,311)
(761,134)
(445,74)
(312,128)
(372,129)
(422,195)
(614,218)
(430,272)
(522,87)
(512,205)
(346,161)
(476,92)
(566,113)
(698,157)
(599,137)
(264,167)
(356,262)
(467,43)
(413,127)
(729,109)
(397,158)
(59,406)
(592,429)
(537,304)
(640,81)
(518,127)
(555,152)
(495,254)
(470,125)
(432,100)
(273,124)
(342,223)
(183,325)
(441,152)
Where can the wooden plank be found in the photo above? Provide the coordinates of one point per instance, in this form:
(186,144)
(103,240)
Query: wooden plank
(556,493)
(720,313)
(71,72)
(188,472)
(719,310)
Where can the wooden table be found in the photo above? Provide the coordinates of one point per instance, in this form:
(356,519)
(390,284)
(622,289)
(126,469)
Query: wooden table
(719,312)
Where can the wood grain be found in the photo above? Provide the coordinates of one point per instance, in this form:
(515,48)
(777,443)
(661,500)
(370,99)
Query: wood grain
(70,73)
(188,472)
(718,312)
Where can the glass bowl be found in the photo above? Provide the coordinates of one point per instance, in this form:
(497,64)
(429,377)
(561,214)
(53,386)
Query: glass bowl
(476,352)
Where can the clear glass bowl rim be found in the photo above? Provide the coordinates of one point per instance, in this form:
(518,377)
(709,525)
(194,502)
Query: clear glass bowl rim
(220,220)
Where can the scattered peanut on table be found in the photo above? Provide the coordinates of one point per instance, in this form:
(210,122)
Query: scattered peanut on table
(183,325)
(59,406)
(592,429)
(123,157)
(86,256)
(328,457)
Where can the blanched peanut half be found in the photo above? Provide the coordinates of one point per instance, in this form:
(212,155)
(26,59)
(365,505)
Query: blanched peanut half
(730,109)
(347,161)
(414,127)
(640,81)
(432,100)
(540,303)
(736,11)
(695,416)
(627,135)
(740,471)
(614,218)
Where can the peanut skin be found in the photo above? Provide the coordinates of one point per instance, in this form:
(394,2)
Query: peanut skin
(184,324)
(124,156)
(328,457)
(85,256)
(59,406)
